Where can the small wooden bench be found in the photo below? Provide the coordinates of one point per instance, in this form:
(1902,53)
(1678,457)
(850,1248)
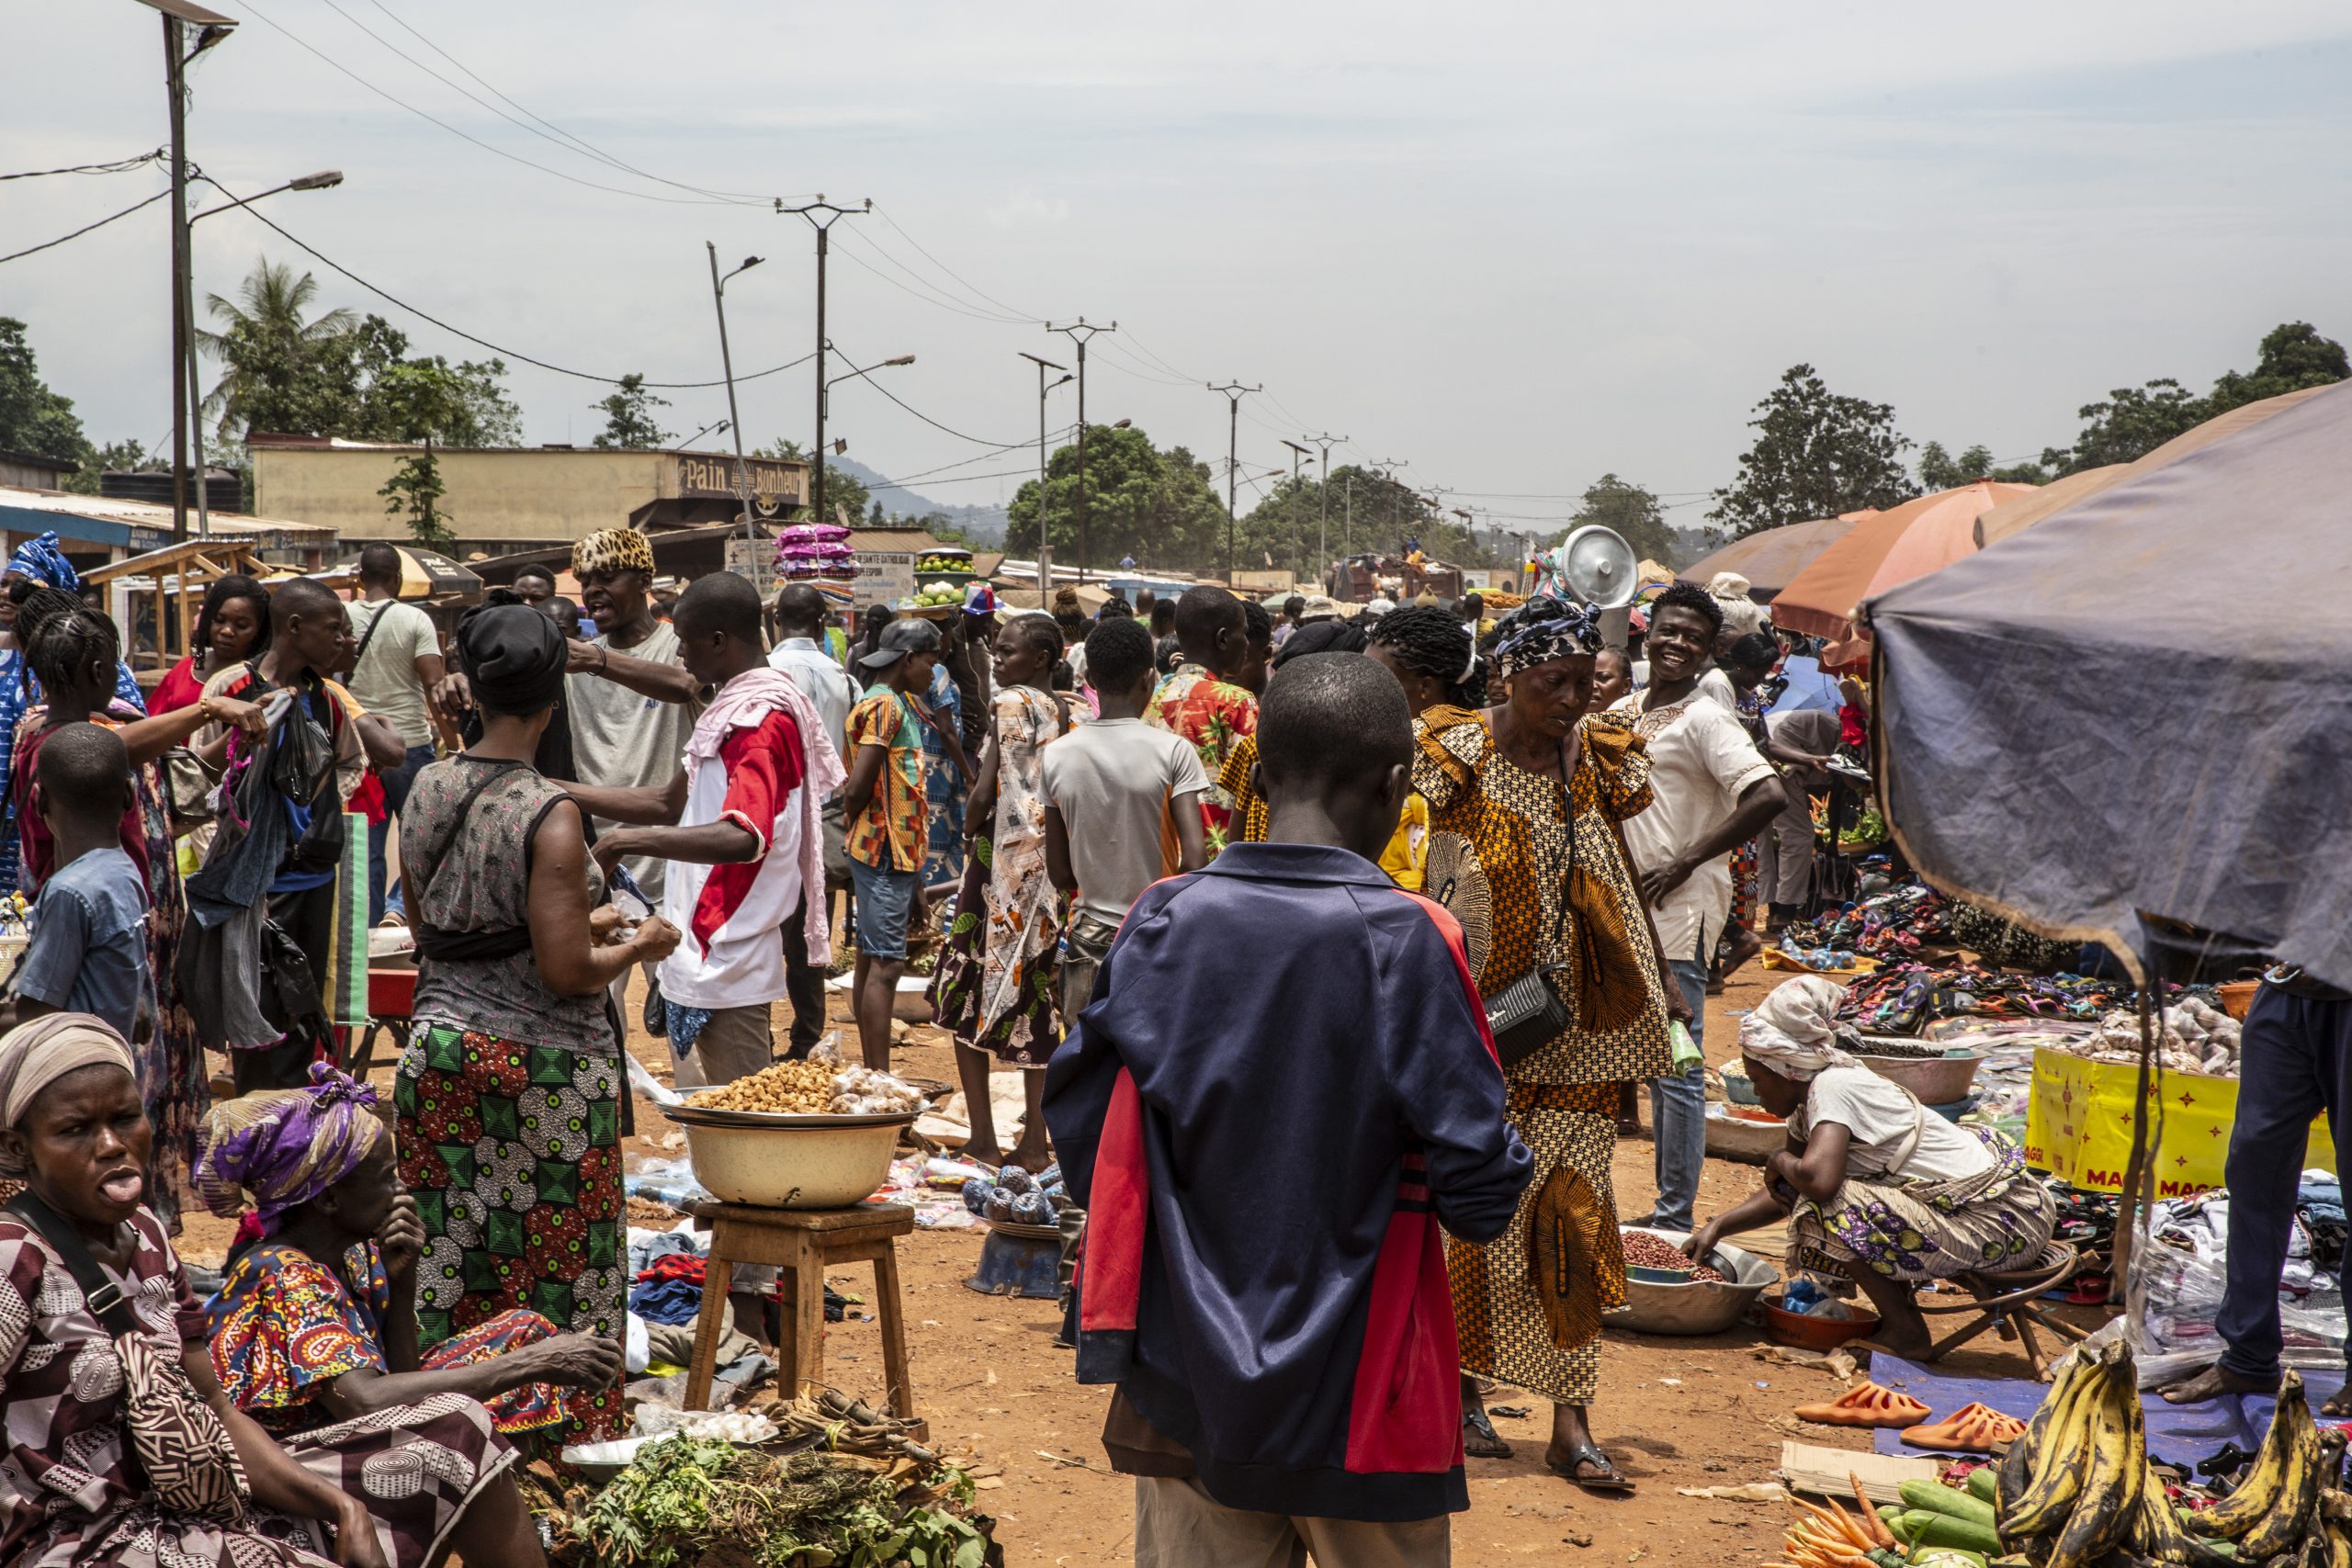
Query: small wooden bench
(801,1243)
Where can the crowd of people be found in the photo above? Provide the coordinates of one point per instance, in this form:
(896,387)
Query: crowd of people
(1386,915)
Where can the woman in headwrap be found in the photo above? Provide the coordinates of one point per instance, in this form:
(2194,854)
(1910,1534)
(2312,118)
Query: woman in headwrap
(399,1488)
(1876,1188)
(1525,799)
(36,562)
(510,1095)
(316,1321)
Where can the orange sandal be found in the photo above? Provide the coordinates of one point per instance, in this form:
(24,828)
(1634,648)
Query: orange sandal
(1973,1428)
(1866,1405)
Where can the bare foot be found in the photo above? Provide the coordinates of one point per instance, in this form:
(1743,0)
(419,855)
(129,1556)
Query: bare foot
(991,1157)
(1741,945)
(1030,1156)
(2339,1403)
(2217,1382)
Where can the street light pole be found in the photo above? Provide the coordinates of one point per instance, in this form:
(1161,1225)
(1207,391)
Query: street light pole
(1081,332)
(325,179)
(823,225)
(1323,525)
(1234,392)
(1044,546)
(726,362)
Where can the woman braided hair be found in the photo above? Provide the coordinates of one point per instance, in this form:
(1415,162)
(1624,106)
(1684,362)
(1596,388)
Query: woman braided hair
(1434,642)
(63,637)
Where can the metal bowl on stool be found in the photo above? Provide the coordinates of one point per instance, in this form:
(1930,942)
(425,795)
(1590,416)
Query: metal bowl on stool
(789,1162)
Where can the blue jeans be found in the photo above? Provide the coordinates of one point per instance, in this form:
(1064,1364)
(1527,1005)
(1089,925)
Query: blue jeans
(396,787)
(1679,1113)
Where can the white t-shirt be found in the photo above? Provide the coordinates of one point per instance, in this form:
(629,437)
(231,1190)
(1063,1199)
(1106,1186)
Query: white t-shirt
(625,739)
(385,680)
(1702,761)
(1714,683)
(1112,781)
(825,683)
(1878,1115)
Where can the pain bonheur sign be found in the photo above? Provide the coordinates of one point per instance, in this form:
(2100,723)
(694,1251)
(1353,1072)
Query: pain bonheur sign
(774,485)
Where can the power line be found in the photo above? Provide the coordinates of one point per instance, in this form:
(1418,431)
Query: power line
(119,168)
(966,478)
(400,102)
(965,463)
(1021,316)
(934,296)
(484,343)
(975,440)
(52,244)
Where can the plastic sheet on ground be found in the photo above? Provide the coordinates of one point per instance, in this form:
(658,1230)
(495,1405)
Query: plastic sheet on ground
(2179,1275)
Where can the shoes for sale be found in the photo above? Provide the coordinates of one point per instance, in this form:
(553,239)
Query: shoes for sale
(1867,1405)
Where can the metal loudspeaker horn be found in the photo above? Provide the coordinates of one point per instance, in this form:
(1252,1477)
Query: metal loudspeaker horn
(1600,566)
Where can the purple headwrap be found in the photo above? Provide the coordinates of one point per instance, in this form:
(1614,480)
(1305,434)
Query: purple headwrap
(285,1147)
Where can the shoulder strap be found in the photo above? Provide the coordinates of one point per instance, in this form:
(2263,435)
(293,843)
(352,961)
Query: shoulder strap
(106,1298)
(489,775)
(370,634)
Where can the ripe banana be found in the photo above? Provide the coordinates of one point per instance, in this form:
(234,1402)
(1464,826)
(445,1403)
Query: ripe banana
(2238,1513)
(2340,1547)
(2110,1499)
(2286,1525)
(2063,1458)
(2158,1535)
(2018,1465)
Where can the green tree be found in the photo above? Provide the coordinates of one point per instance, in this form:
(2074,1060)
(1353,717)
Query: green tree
(414,494)
(1628,509)
(1154,505)
(114,457)
(1939,469)
(34,418)
(2293,356)
(629,423)
(280,367)
(2134,421)
(1817,455)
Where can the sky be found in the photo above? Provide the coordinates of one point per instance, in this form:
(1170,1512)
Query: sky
(1510,248)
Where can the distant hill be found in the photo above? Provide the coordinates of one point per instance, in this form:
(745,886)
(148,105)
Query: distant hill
(985,524)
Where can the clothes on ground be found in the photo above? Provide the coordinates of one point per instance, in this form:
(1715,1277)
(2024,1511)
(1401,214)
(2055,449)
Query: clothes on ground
(728,954)
(1915,1229)
(512,1151)
(1210,716)
(1346,1066)
(825,682)
(1404,856)
(994,986)
(945,787)
(1702,761)
(1882,1117)
(625,739)
(88,952)
(1114,782)
(890,832)
(1904,998)
(397,635)
(71,1493)
(284,1326)
(479,887)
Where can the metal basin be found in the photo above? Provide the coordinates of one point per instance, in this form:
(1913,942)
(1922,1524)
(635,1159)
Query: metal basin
(788,1162)
(1936,1080)
(1749,1143)
(1704,1307)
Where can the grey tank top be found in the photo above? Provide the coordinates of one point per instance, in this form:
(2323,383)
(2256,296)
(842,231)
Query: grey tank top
(483,883)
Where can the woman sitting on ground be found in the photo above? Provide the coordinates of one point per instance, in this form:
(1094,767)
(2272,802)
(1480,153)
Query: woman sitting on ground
(1876,1187)
(402,1487)
(316,1321)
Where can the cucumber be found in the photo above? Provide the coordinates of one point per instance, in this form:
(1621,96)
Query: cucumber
(1984,1482)
(1928,1527)
(1881,1558)
(1937,1498)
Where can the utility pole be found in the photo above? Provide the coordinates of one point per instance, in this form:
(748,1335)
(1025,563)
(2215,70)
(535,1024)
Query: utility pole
(1045,546)
(1323,525)
(727,361)
(1234,392)
(183,328)
(1387,467)
(1298,546)
(1081,332)
(821,215)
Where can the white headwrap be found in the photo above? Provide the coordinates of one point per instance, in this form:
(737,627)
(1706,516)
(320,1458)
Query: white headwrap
(34,1056)
(1794,1030)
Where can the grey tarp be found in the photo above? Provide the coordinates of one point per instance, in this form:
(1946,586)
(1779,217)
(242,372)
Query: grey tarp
(2144,704)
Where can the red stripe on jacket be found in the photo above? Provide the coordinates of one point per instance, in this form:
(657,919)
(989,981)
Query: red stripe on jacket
(1110,1270)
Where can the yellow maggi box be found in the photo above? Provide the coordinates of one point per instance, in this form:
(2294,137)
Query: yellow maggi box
(2078,1125)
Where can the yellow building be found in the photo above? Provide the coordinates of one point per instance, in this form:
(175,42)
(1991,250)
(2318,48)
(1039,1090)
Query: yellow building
(504,500)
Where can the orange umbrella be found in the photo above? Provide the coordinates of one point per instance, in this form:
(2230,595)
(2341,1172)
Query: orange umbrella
(1921,536)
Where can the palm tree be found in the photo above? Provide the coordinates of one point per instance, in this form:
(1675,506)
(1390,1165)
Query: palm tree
(265,344)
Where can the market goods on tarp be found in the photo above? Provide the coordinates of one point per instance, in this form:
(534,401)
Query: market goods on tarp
(1866,1405)
(2192,1036)
(1973,1428)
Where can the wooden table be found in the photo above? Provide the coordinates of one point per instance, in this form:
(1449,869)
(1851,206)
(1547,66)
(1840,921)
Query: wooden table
(801,1242)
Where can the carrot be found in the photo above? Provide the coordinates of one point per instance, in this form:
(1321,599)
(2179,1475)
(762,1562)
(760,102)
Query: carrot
(1855,1533)
(1880,1535)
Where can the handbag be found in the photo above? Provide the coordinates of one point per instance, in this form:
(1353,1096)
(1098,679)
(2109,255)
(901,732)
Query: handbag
(180,1442)
(188,788)
(1530,1014)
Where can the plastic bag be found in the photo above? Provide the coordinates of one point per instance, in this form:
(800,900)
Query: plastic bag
(667,1182)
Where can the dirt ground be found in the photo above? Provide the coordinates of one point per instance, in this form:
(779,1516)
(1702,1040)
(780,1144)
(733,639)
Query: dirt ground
(1672,1413)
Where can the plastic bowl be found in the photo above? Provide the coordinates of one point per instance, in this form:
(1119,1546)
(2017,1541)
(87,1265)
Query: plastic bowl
(1749,1143)
(788,1162)
(2237,997)
(1693,1306)
(1739,1087)
(1799,1332)
(1936,1080)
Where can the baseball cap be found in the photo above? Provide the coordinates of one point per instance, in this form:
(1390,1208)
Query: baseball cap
(979,599)
(908,634)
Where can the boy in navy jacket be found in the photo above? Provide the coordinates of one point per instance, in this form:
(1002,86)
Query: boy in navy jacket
(1284,1085)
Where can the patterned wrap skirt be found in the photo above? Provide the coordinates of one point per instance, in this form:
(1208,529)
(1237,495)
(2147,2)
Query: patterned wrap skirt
(514,1154)
(1028,1032)
(1527,1307)
(1915,1231)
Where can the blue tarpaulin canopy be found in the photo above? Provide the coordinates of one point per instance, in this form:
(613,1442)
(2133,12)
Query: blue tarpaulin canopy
(2140,708)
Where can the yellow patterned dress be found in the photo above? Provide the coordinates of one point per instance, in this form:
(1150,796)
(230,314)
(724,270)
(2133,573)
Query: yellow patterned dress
(1528,1306)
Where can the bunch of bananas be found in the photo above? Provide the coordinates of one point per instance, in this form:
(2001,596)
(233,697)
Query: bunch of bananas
(2077,1486)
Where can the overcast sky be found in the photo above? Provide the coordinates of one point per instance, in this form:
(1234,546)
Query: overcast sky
(1515,245)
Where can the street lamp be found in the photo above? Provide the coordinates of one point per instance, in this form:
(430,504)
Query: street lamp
(727,363)
(325,179)
(852,375)
(1045,547)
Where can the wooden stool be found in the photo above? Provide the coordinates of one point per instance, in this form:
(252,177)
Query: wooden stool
(801,1242)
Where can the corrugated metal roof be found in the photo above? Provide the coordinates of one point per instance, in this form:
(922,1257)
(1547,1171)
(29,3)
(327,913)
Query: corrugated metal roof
(145,515)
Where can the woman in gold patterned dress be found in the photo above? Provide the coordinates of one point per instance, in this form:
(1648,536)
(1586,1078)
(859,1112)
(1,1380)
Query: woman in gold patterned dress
(1527,797)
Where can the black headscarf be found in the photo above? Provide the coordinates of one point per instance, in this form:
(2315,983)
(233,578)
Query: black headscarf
(513,656)
(1321,637)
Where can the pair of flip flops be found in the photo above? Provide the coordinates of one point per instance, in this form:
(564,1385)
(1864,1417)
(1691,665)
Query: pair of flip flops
(1587,1467)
